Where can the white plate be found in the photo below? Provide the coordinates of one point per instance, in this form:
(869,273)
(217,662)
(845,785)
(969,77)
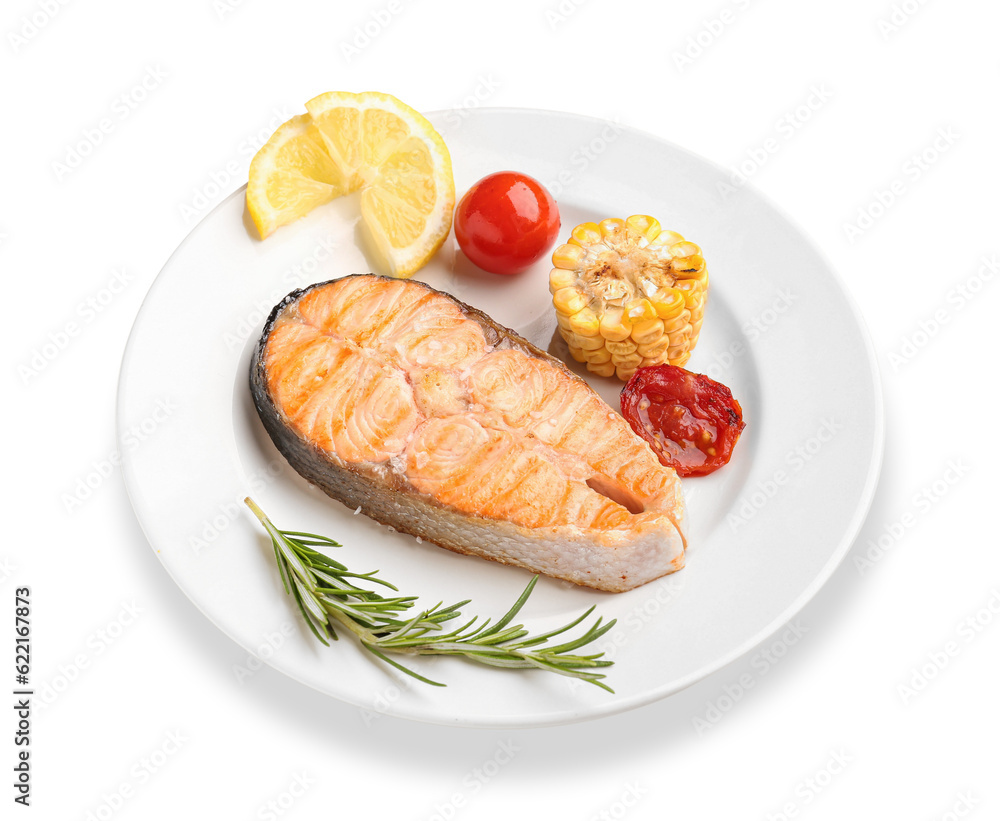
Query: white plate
(766,532)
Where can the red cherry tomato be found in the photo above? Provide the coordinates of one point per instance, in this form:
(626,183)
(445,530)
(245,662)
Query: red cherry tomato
(506,222)
(691,422)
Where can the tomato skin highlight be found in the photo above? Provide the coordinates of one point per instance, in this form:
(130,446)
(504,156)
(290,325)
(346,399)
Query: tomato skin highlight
(506,222)
(691,422)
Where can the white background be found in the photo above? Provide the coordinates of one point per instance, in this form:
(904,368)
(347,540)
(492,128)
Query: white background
(149,706)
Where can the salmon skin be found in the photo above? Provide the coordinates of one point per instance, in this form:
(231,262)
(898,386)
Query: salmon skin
(423,412)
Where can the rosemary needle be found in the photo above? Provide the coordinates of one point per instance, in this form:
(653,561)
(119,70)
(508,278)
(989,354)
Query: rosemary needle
(330,596)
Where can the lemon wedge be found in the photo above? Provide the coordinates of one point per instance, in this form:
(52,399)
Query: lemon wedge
(290,175)
(368,142)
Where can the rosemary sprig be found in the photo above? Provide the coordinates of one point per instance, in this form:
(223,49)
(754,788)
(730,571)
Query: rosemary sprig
(330,596)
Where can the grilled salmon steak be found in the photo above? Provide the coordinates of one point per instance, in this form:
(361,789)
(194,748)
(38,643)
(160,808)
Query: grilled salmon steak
(430,417)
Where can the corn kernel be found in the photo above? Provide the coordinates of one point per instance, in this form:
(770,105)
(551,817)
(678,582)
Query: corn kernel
(624,374)
(645,225)
(588,343)
(560,278)
(577,354)
(647,330)
(678,323)
(668,302)
(650,361)
(614,326)
(654,349)
(585,323)
(568,256)
(683,249)
(667,239)
(620,348)
(639,309)
(587,233)
(569,301)
(684,269)
(612,229)
(630,360)
(602,368)
(598,357)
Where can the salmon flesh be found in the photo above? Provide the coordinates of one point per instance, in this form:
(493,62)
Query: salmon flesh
(430,417)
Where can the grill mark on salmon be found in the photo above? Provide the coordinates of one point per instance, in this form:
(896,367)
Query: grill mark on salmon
(432,418)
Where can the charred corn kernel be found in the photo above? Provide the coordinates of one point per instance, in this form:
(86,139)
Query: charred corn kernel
(577,354)
(614,326)
(645,225)
(647,330)
(628,294)
(585,323)
(639,309)
(560,278)
(569,301)
(602,368)
(598,357)
(586,233)
(621,348)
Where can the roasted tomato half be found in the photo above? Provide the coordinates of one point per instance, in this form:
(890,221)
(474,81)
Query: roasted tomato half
(691,422)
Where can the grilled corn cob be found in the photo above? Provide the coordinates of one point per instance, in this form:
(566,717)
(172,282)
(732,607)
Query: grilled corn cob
(628,294)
